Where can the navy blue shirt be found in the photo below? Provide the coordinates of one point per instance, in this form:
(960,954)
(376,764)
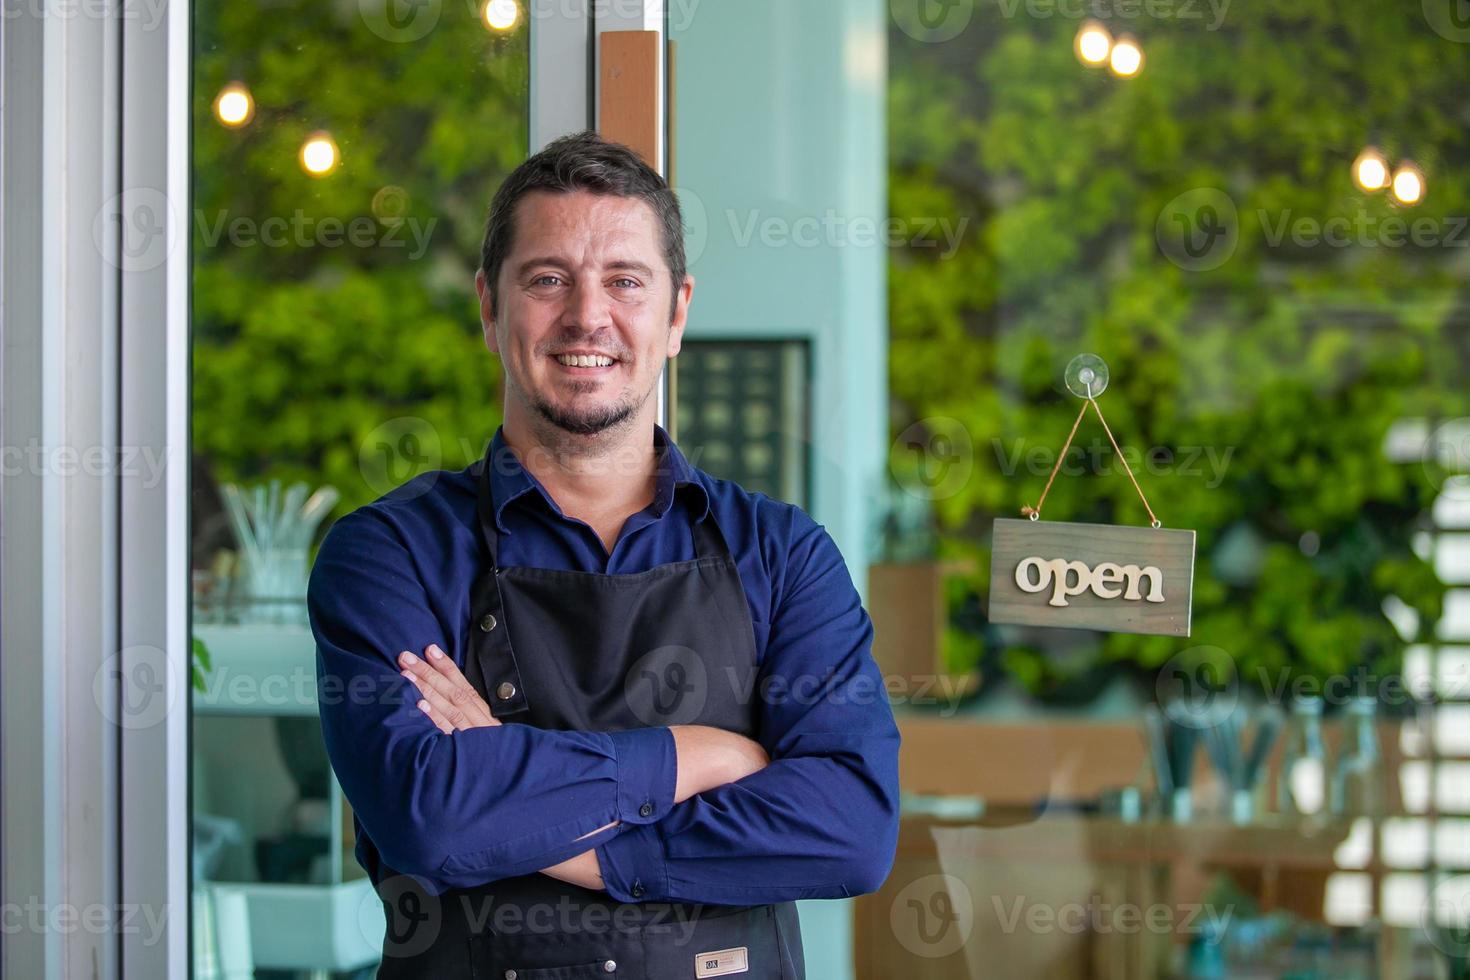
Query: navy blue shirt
(466,809)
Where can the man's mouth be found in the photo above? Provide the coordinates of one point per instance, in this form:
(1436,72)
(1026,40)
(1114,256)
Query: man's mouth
(580,361)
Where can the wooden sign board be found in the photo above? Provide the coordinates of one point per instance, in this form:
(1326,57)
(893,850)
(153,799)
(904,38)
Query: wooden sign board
(1092,576)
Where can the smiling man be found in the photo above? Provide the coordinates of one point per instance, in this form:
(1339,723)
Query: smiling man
(597,712)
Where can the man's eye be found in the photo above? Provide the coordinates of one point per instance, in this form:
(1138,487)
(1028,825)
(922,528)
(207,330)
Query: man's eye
(546,280)
(626,283)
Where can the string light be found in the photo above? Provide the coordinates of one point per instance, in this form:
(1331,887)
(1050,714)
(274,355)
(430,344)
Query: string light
(1408,184)
(1370,170)
(1093,44)
(501,15)
(234,106)
(1126,59)
(319,155)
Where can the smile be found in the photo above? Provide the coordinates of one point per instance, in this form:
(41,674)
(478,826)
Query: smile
(585,360)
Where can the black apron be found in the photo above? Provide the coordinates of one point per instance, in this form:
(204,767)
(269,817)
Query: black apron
(583,651)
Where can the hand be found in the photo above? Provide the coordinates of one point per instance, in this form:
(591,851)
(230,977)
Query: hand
(449,700)
(710,757)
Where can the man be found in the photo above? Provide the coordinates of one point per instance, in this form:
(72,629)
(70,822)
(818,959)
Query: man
(597,712)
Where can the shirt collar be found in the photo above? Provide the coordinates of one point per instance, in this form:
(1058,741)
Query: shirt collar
(510,480)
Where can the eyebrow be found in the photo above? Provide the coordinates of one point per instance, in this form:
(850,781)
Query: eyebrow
(622,265)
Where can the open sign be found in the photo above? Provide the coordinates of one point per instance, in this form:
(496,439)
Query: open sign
(1092,576)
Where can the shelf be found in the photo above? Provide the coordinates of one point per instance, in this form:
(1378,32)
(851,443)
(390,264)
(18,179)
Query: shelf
(259,669)
(312,927)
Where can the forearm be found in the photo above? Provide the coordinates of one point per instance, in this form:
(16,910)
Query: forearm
(819,825)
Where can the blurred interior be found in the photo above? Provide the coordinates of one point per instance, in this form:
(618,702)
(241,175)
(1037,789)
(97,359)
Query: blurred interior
(905,220)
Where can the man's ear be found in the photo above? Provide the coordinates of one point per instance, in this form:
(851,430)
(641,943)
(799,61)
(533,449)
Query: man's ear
(487,311)
(682,299)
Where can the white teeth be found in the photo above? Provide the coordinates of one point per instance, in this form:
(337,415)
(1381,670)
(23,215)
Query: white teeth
(584,360)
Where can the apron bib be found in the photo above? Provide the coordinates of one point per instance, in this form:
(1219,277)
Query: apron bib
(584,651)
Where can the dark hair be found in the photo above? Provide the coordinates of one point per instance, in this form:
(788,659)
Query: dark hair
(582,162)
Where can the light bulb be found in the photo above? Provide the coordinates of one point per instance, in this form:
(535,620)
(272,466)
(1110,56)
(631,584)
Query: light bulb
(319,155)
(1408,183)
(1093,44)
(1370,170)
(1126,59)
(501,15)
(233,106)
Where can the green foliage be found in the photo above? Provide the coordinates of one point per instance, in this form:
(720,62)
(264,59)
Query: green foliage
(1288,362)
(305,344)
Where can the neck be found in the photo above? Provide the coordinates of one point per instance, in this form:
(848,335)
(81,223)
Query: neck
(612,471)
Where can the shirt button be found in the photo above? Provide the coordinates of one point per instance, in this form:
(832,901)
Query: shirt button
(505,691)
(646,810)
(637,889)
(510,975)
(488,623)
(609,966)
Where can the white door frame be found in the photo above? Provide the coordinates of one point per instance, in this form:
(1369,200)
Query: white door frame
(94,568)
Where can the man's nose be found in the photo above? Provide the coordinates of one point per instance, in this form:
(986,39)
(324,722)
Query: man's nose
(588,306)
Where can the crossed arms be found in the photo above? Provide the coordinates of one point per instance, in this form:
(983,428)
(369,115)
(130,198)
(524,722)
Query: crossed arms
(654,814)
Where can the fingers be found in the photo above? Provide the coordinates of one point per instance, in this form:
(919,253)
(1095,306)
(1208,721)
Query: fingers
(451,699)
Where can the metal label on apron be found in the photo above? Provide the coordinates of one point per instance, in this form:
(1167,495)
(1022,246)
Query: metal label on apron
(721,962)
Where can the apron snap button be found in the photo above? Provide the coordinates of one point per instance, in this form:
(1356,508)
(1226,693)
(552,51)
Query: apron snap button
(609,966)
(510,975)
(488,623)
(637,889)
(505,691)
(646,810)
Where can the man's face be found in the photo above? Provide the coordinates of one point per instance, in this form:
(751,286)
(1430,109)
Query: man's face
(586,278)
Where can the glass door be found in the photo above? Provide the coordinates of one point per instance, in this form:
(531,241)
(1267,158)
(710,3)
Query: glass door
(342,162)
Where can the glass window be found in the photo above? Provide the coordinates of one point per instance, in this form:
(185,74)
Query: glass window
(343,159)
